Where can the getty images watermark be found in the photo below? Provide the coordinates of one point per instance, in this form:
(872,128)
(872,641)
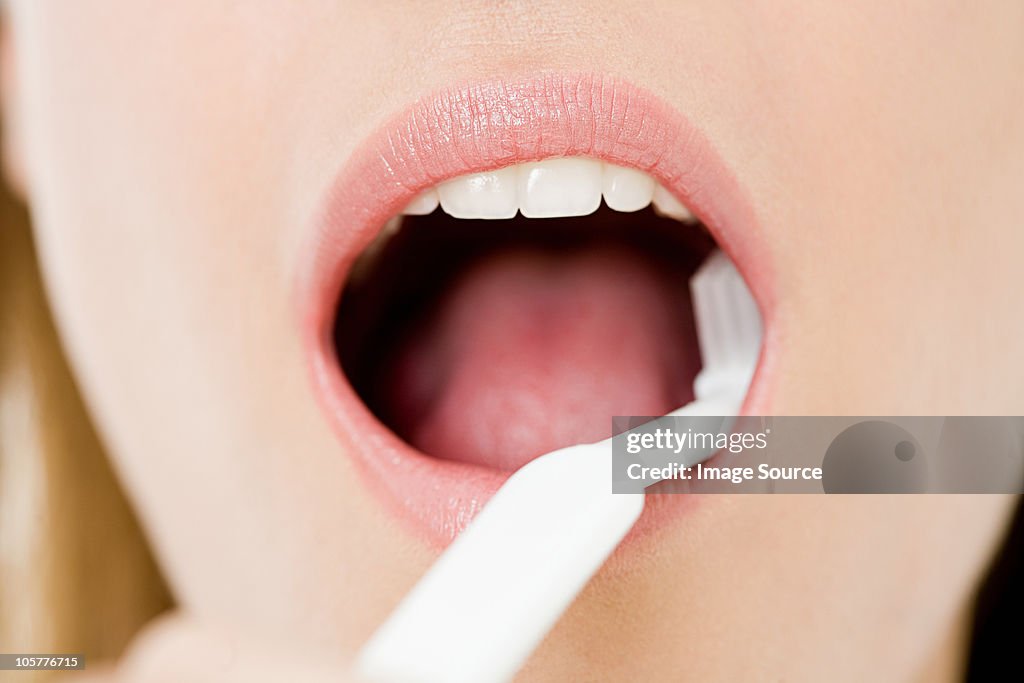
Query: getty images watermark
(757,454)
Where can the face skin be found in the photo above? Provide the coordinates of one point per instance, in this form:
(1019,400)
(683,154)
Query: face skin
(174,155)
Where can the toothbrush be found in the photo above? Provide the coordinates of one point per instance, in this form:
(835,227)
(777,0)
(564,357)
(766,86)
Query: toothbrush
(494,594)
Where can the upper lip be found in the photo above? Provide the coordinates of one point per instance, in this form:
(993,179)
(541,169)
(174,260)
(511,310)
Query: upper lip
(479,127)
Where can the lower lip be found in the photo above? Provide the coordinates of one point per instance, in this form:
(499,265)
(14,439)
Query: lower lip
(479,127)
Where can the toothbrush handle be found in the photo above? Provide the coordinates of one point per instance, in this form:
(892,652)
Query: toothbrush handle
(491,598)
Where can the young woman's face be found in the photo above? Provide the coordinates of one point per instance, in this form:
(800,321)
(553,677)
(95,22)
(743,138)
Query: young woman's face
(199,171)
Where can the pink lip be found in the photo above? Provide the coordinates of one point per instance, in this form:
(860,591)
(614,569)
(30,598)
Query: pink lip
(478,127)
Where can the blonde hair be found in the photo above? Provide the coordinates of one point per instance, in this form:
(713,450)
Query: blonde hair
(75,571)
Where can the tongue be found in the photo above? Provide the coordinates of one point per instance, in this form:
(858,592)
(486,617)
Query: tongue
(527,353)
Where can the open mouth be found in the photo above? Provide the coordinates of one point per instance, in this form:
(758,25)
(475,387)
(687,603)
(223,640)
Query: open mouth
(502,271)
(522,314)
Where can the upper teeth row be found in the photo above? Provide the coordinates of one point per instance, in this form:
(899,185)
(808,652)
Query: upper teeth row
(553,188)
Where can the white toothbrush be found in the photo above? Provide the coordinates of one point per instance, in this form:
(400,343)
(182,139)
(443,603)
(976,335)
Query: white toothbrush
(494,594)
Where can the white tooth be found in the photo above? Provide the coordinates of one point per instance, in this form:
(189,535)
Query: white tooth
(481,195)
(424,203)
(569,186)
(666,204)
(626,189)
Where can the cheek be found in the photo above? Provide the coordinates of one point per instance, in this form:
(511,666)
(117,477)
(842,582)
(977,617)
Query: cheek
(885,171)
(141,192)
(169,207)
(842,575)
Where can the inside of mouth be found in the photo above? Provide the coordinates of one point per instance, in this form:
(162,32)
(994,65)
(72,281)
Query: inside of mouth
(494,342)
